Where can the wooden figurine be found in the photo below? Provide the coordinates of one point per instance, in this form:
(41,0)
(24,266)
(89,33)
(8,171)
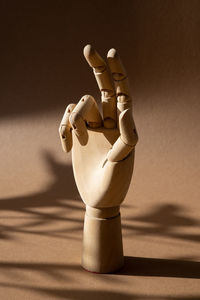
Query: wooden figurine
(103,159)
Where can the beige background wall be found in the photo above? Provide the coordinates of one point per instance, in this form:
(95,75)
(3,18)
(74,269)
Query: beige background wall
(41,218)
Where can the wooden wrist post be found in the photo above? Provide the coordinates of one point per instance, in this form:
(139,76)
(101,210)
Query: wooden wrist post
(102,240)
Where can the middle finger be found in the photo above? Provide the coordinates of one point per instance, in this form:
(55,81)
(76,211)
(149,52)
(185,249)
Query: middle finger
(105,85)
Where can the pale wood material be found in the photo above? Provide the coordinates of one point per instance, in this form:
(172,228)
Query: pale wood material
(105,85)
(104,253)
(120,81)
(65,129)
(100,181)
(85,113)
(103,158)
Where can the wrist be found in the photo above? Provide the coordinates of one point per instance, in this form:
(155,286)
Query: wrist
(102,212)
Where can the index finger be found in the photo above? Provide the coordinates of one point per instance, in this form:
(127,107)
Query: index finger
(105,85)
(120,79)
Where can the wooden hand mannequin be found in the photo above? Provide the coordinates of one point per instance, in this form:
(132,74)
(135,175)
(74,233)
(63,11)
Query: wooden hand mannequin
(103,158)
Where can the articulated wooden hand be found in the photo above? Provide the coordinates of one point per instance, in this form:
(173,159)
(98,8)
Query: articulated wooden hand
(103,150)
(103,158)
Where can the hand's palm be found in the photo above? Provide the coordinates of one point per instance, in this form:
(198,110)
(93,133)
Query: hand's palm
(101,183)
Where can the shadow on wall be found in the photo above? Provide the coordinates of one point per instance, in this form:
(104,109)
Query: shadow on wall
(61,194)
(166,220)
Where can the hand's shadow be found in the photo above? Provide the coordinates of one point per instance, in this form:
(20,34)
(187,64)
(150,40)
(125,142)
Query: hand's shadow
(141,266)
(44,206)
(165,220)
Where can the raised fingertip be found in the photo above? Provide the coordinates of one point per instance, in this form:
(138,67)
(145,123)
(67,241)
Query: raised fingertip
(93,58)
(115,64)
(88,51)
(112,53)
